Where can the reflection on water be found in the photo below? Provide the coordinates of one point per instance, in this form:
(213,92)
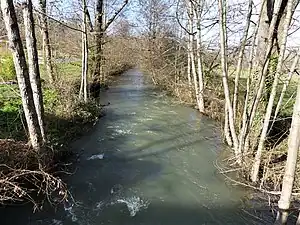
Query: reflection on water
(147,162)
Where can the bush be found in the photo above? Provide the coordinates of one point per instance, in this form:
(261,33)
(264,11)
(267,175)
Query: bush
(7,68)
(51,99)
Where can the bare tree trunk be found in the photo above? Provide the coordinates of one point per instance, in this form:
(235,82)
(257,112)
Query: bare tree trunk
(285,85)
(189,65)
(245,117)
(264,70)
(226,128)
(265,24)
(16,46)
(298,220)
(84,74)
(240,60)
(222,15)
(291,163)
(34,70)
(257,160)
(191,47)
(198,11)
(46,40)
(99,24)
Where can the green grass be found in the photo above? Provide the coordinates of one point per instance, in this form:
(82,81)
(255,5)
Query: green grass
(65,114)
(64,71)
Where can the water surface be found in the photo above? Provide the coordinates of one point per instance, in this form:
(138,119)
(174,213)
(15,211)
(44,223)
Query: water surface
(147,162)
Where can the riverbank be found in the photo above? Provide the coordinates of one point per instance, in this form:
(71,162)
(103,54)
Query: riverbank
(274,154)
(25,173)
(148,161)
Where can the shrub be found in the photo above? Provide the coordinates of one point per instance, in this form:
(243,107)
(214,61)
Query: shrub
(51,99)
(7,68)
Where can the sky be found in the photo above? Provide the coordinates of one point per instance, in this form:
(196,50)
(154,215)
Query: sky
(65,8)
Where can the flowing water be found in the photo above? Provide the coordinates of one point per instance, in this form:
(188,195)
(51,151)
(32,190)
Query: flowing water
(147,162)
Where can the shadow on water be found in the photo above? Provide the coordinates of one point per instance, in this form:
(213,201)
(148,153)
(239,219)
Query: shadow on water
(93,180)
(146,162)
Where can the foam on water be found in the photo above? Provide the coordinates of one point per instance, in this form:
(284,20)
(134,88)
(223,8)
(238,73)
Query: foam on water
(69,208)
(134,204)
(98,156)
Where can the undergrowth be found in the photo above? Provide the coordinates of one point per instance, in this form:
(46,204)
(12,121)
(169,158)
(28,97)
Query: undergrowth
(25,174)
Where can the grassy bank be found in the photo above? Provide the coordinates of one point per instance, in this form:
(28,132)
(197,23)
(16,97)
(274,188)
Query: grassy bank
(23,172)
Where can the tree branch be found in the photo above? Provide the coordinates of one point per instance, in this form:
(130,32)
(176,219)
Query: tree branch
(89,20)
(115,15)
(178,21)
(61,23)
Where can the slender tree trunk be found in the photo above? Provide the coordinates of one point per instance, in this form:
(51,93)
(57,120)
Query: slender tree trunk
(189,67)
(199,57)
(226,128)
(191,49)
(285,85)
(291,163)
(257,160)
(16,46)
(264,70)
(34,70)
(222,15)
(240,60)
(99,24)
(84,75)
(245,117)
(46,40)
(267,16)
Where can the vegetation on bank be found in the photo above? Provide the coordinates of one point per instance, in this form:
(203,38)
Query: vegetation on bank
(66,117)
(44,106)
(242,76)
(249,87)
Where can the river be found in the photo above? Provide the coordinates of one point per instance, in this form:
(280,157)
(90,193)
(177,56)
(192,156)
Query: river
(148,161)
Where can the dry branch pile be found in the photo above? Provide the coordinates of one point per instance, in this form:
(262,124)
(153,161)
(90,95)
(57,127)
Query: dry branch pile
(24,175)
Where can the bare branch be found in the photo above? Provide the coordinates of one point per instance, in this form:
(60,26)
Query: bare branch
(115,15)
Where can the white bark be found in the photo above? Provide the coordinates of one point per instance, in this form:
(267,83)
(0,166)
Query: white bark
(255,169)
(191,47)
(198,12)
(286,83)
(16,47)
(291,163)
(264,71)
(240,60)
(33,63)
(222,15)
(226,128)
(189,59)
(245,119)
(84,74)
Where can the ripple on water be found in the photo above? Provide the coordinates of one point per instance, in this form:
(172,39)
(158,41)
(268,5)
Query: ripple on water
(56,222)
